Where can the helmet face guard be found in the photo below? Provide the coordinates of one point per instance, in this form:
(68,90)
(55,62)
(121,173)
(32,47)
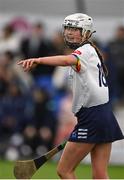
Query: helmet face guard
(70,44)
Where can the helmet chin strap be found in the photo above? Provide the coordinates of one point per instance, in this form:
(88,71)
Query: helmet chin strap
(72,45)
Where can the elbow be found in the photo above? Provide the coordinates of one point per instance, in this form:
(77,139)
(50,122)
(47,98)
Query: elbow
(67,61)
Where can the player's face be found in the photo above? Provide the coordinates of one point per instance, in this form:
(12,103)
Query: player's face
(72,35)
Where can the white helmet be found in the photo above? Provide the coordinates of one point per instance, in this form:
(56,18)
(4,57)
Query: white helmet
(79,20)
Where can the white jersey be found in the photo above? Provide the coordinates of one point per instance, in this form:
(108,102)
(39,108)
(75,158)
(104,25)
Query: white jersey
(87,79)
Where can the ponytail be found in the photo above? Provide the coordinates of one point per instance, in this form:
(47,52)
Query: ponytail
(105,70)
(87,35)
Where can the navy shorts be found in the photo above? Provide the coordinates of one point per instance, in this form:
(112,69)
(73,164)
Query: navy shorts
(96,124)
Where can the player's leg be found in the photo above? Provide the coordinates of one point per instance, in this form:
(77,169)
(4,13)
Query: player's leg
(100,156)
(72,155)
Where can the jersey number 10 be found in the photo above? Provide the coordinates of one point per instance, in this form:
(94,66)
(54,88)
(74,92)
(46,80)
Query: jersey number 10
(102,79)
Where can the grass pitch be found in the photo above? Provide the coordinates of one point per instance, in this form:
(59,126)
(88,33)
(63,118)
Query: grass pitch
(48,171)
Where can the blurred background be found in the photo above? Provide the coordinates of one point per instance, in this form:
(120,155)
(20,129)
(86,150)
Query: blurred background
(35,107)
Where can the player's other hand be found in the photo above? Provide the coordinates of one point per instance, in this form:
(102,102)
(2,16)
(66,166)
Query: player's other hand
(28,64)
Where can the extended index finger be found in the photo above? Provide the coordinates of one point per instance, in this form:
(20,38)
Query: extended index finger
(20,62)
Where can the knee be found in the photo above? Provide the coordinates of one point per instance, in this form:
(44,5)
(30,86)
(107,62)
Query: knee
(60,172)
(63,172)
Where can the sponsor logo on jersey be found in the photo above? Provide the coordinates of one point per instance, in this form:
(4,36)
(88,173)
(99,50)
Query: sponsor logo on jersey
(77,52)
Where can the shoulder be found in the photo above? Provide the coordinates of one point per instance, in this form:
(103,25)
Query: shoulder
(84,47)
(84,50)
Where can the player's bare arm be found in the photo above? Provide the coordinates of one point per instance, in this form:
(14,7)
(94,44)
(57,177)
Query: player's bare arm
(67,60)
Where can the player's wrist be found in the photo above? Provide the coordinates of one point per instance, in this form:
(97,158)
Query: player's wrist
(37,61)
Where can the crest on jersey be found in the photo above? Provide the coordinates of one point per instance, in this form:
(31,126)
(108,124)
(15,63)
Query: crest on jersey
(77,52)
